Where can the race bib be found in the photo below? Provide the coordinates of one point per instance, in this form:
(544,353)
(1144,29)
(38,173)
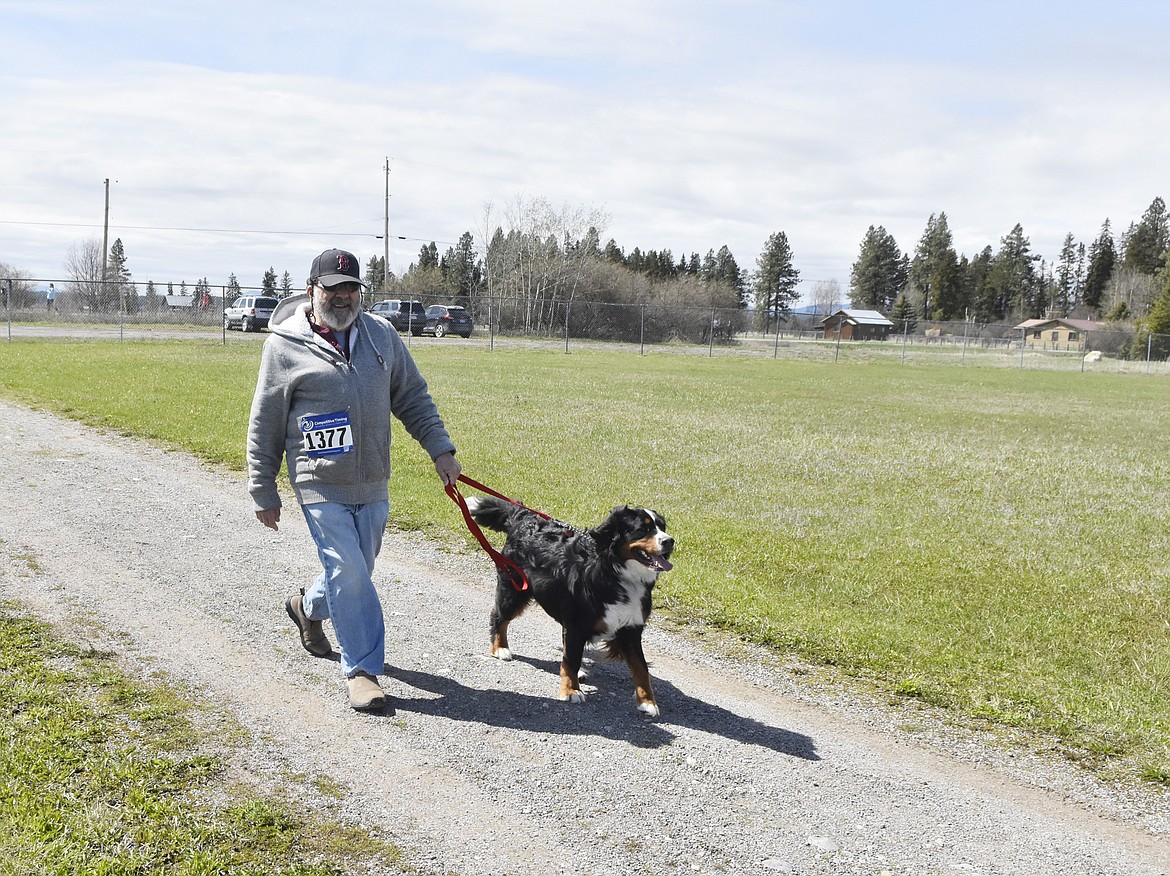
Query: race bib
(327,434)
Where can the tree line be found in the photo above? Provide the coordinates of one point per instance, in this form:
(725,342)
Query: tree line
(549,266)
(541,266)
(1111,280)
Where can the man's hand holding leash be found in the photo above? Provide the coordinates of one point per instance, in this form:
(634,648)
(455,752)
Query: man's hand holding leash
(448,468)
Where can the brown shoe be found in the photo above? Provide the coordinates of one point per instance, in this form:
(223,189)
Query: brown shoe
(364,693)
(312,636)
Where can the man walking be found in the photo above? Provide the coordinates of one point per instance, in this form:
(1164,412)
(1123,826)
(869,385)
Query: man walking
(330,378)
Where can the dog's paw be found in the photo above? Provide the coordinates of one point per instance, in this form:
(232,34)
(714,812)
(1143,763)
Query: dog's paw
(650,709)
(502,654)
(575,697)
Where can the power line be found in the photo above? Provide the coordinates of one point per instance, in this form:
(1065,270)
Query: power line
(196,230)
(226,230)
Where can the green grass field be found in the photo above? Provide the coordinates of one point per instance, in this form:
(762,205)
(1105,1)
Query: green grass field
(991,541)
(101,774)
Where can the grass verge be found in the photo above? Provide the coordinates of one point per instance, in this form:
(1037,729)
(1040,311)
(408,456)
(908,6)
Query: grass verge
(990,541)
(102,774)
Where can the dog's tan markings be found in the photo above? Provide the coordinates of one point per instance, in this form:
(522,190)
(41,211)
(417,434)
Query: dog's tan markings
(570,686)
(643,691)
(500,649)
(649,545)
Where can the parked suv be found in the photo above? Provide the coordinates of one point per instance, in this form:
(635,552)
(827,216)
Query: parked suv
(405,316)
(249,312)
(445,319)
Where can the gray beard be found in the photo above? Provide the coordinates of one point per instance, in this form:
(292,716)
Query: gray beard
(338,321)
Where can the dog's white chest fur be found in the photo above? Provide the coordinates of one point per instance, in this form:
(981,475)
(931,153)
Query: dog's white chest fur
(627,613)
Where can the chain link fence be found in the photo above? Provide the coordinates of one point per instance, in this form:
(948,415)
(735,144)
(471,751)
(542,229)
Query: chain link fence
(131,311)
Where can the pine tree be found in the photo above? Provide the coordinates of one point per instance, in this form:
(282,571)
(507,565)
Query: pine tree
(233,288)
(776,280)
(267,283)
(978,283)
(934,272)
(428,257)
(1146,243)
(904,315)
(375,274)
(1013,277)
(1065,290)
(462,270)
(285,285)
(727,271)
(1102,259)
(119,291)
(880,273)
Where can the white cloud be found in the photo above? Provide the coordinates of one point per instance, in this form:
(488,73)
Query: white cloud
(651,116)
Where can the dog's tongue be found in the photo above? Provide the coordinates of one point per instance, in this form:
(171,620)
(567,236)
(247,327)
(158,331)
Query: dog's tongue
(662,564)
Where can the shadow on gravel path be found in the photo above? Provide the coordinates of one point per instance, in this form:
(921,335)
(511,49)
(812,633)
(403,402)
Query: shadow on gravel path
(607,713)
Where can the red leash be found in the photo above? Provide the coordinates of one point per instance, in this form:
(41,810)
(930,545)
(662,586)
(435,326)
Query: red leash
(514,572)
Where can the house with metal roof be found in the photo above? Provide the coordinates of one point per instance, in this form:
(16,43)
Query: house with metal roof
(1058,333)
(856,325)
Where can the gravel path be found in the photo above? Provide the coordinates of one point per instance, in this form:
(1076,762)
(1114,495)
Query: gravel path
(752,768)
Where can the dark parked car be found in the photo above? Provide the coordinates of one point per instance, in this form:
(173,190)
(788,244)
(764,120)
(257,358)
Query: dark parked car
(249,312)
(406,316)
(445,319)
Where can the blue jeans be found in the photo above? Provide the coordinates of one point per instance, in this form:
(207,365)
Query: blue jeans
(348,538)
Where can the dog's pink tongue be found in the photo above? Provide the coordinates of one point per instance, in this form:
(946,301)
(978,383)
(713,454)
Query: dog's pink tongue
(663,564)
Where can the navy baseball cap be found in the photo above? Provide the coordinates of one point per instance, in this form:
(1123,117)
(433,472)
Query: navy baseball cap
(336,266)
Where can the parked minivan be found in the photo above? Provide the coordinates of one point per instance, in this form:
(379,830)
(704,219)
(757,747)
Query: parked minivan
(405,316)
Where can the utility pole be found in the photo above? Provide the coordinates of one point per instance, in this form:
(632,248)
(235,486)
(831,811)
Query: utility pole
(106,234)
(386,234)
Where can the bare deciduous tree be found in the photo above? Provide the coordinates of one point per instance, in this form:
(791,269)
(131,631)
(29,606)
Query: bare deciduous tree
(1132,288)
(83,264)
(15,290)
(540,255)
(826,296)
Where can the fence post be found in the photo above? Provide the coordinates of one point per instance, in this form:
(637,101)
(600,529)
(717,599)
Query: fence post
(8,305)
(776,342)
(1023,343)
(963,356)
(1149,350)
(642,331)
(711,339)
(568,307)
(491,322)
(905,336)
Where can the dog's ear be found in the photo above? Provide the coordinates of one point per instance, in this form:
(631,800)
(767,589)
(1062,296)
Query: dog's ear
(609,528)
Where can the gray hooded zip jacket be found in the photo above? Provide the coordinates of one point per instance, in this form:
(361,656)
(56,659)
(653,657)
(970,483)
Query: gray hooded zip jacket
(329,419)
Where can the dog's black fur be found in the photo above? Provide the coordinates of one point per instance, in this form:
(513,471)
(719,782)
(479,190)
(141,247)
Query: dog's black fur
(596,584)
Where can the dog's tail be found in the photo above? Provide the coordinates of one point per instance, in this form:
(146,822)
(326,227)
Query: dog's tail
(492,512)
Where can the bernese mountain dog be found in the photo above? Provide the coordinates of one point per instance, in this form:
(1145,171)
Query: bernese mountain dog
(596,584)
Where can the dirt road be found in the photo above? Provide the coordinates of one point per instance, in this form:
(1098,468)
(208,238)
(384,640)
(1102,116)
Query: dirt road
(750,769)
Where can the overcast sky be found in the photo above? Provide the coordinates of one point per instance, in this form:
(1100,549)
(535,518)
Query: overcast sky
(247,135)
